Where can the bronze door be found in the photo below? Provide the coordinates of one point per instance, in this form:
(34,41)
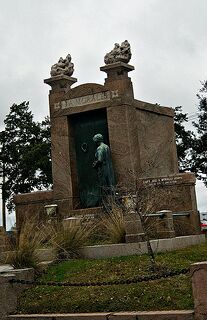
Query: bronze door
(85,125)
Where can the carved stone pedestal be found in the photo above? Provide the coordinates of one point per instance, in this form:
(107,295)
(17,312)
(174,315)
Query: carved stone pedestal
(60,82)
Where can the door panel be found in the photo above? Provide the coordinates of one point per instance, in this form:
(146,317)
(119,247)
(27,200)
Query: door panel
(85,126)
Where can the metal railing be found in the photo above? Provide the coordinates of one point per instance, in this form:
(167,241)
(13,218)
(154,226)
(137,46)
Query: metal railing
(161,215)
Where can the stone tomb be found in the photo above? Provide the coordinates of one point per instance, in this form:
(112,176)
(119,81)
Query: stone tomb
(141,139)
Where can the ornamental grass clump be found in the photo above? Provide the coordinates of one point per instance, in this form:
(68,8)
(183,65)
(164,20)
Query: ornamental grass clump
(69,237)
(114,225)
(23,251)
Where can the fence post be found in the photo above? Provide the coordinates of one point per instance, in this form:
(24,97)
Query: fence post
(10,292)
(199,286)
(8,296)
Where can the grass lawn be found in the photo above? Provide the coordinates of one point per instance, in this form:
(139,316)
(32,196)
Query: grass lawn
(166,294)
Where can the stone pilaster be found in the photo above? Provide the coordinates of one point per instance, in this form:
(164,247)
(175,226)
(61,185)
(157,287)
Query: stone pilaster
(117,78)
(60,137)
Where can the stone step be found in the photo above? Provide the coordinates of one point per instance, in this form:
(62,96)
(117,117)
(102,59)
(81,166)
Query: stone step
(169,315)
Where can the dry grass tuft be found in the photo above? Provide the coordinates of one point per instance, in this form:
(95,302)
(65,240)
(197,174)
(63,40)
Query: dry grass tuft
(113,223)
(24,249)
(68,238)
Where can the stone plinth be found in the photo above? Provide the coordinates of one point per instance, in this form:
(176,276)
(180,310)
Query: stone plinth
(117,70)
(59,83)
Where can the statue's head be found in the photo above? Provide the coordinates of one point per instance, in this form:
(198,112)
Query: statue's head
(98,138)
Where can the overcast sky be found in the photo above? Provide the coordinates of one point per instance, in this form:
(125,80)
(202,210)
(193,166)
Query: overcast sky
(168,42)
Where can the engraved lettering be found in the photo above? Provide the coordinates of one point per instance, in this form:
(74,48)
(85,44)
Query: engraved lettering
(81,101)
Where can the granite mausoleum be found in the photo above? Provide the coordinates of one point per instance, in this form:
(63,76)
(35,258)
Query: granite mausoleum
(140,135)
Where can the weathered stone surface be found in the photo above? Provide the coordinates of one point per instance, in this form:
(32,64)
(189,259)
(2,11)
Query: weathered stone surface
(177,193)
(157,145)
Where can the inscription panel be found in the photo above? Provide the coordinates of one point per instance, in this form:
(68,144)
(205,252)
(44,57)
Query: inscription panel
(182,178)
(84,100)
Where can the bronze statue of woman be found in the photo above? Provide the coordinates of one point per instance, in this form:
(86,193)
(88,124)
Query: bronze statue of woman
(103,165)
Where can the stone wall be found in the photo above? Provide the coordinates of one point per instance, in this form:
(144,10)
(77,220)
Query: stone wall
(155,132)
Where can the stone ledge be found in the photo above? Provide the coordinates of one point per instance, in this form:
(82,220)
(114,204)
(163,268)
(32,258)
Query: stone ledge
(36,196)
(117,65)
(151,315)
(126,249)
(154,108)
(123,249)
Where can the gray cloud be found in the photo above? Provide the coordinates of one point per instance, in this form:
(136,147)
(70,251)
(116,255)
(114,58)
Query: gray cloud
(168,40)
